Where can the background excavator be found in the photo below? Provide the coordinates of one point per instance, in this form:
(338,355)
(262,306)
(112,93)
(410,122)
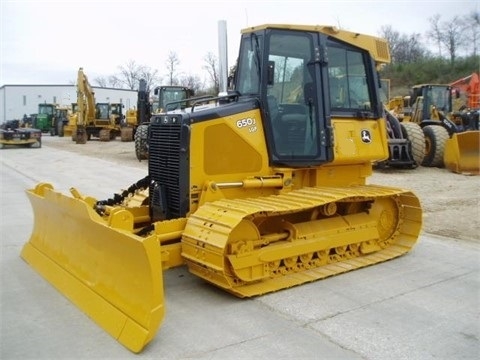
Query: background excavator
(258,192)
(101,120)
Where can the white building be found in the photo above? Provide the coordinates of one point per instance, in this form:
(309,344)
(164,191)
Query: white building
(18,100)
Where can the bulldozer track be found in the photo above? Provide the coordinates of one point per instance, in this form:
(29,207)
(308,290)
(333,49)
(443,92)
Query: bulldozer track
(237,245)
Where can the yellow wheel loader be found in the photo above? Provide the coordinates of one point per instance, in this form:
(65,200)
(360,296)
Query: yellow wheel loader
(452,138)
(258,192)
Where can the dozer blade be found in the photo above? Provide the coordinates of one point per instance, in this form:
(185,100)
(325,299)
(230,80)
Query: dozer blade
(462,153)
(114,276)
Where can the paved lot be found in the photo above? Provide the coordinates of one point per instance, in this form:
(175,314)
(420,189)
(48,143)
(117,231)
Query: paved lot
(423,305)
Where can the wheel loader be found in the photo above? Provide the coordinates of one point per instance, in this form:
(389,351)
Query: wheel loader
(406,141)
(175,97)
(452,138)
(259,192)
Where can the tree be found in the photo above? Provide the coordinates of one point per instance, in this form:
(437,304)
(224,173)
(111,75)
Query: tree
(472,31)
(449,35)
(130,75)
(211,65)
(192,82)
(172,63)
(115,81)
(150,76)
(403,48)
(101,81)
(392,37)
(410,48)
(454,37)
(435,33)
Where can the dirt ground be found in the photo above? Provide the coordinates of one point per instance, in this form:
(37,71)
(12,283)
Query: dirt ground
(451,202)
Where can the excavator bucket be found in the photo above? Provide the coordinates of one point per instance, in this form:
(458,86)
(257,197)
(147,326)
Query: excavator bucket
(462,153)
(114,276)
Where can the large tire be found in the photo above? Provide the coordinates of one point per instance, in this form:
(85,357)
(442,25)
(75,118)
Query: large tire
(414,133)
(60,128)
(105,135)
(113,134)
(141,142)
(435,138)
(126,134)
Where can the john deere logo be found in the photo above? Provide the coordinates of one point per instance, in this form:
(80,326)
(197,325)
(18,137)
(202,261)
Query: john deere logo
(366,137)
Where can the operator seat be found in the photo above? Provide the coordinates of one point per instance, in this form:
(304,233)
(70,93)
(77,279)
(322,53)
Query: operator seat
(294,123)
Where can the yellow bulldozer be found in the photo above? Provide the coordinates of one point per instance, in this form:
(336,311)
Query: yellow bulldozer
(258,192)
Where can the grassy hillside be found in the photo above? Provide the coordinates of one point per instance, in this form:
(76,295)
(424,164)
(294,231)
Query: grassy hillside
(429,70)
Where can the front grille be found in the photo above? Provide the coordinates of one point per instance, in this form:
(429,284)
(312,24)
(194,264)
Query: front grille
(168,167)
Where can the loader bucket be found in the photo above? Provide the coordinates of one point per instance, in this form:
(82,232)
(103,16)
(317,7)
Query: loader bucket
(114,276)
(462,153)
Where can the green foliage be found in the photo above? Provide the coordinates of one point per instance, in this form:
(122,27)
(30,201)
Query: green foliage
(428,70)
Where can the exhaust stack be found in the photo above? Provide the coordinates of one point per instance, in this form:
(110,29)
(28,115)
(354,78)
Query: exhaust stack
(222,56)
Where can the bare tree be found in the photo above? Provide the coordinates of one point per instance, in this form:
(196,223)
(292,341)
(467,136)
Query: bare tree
(448,34)
(130,74)
(403,48)
(392,36)
(150,76)
(409,49)
(211,65)
(115,81)
(454,36)
(101,81)
(435,32)
(172,63)
(192,82)
(472,31)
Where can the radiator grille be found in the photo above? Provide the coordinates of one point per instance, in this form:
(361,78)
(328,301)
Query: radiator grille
(168,169)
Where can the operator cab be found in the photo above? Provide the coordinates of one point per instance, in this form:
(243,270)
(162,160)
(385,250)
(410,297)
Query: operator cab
(304,79)
(439,96)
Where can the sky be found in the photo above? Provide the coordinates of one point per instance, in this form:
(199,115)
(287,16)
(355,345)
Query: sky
(45,42)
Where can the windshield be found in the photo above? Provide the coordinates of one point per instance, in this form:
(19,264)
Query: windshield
(102,111)
(439,96)
(168,95)
(46,110)
(116,109)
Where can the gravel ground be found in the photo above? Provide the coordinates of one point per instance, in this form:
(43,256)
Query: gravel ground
(451,202)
